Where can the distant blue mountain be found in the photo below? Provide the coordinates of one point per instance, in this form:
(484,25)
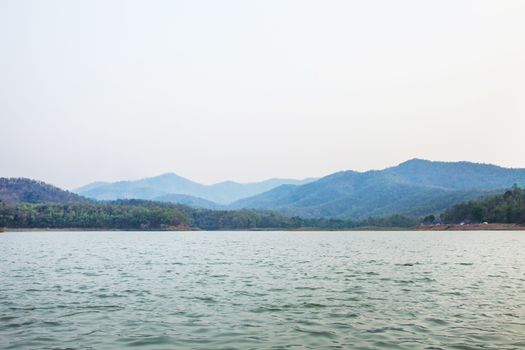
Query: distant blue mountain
(191,201)
(91,186)
(172,184)
(415,187)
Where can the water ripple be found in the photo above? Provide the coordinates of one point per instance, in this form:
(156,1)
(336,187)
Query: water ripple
(264,290)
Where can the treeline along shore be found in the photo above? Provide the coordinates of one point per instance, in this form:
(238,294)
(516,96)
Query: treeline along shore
(28,204)
(148,215)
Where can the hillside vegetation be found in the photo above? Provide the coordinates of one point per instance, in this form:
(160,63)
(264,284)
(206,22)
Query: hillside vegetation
(414,188)
(508,208)
(17,190)
(33,204)
(148,215)
(28,207)
(118,215)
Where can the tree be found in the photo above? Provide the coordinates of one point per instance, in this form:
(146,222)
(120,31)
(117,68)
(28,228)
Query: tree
(429,220)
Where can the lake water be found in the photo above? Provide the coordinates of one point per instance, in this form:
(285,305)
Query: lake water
(262,290)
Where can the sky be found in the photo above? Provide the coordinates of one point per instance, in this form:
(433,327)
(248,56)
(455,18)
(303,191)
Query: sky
(250,90)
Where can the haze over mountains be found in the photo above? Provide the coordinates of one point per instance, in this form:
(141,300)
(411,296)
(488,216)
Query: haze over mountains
(399,196)
(415,187)
(173,188)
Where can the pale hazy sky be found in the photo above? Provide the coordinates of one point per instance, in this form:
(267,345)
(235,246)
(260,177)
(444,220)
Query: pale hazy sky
(248,90)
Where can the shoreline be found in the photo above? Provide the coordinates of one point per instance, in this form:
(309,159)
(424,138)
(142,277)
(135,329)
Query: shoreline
(451,227)
(472,227)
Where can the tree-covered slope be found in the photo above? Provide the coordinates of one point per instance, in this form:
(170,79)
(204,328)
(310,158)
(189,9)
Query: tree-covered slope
(115,215)
(416,187)
(16,190)
(455,175)
(507,208)
(46,212)
(149,215)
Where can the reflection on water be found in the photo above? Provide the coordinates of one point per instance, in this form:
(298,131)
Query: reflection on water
(262,290)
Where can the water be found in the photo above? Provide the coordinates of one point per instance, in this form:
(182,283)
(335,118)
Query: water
(262,290)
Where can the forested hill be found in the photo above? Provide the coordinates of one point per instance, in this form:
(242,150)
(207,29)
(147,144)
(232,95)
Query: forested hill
(508,208)
(415,187)
(17,190)
(147,215)
(34,204)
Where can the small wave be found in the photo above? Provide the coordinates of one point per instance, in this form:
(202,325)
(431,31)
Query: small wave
(307,288)
(385,329)
(313,305)
(205,299)
(409,264)
(436,321)
(317,333)
(158,340)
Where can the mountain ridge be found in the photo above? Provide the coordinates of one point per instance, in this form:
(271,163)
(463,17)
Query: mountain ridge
(414,187)
(221,193)
(24,190)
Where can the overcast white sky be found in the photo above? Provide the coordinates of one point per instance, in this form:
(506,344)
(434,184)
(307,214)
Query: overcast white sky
(248,90)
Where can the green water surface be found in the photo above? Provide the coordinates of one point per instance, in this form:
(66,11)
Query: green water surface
(262,290)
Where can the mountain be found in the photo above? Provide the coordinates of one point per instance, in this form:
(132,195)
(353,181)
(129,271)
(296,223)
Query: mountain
(415,187)
(147,188)
(91,186)
(168,184)
(17,190)
(191,201)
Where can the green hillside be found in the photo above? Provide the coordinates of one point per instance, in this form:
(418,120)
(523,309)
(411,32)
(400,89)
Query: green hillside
(508,208)
(17,190)
(60,209)
(416,187)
